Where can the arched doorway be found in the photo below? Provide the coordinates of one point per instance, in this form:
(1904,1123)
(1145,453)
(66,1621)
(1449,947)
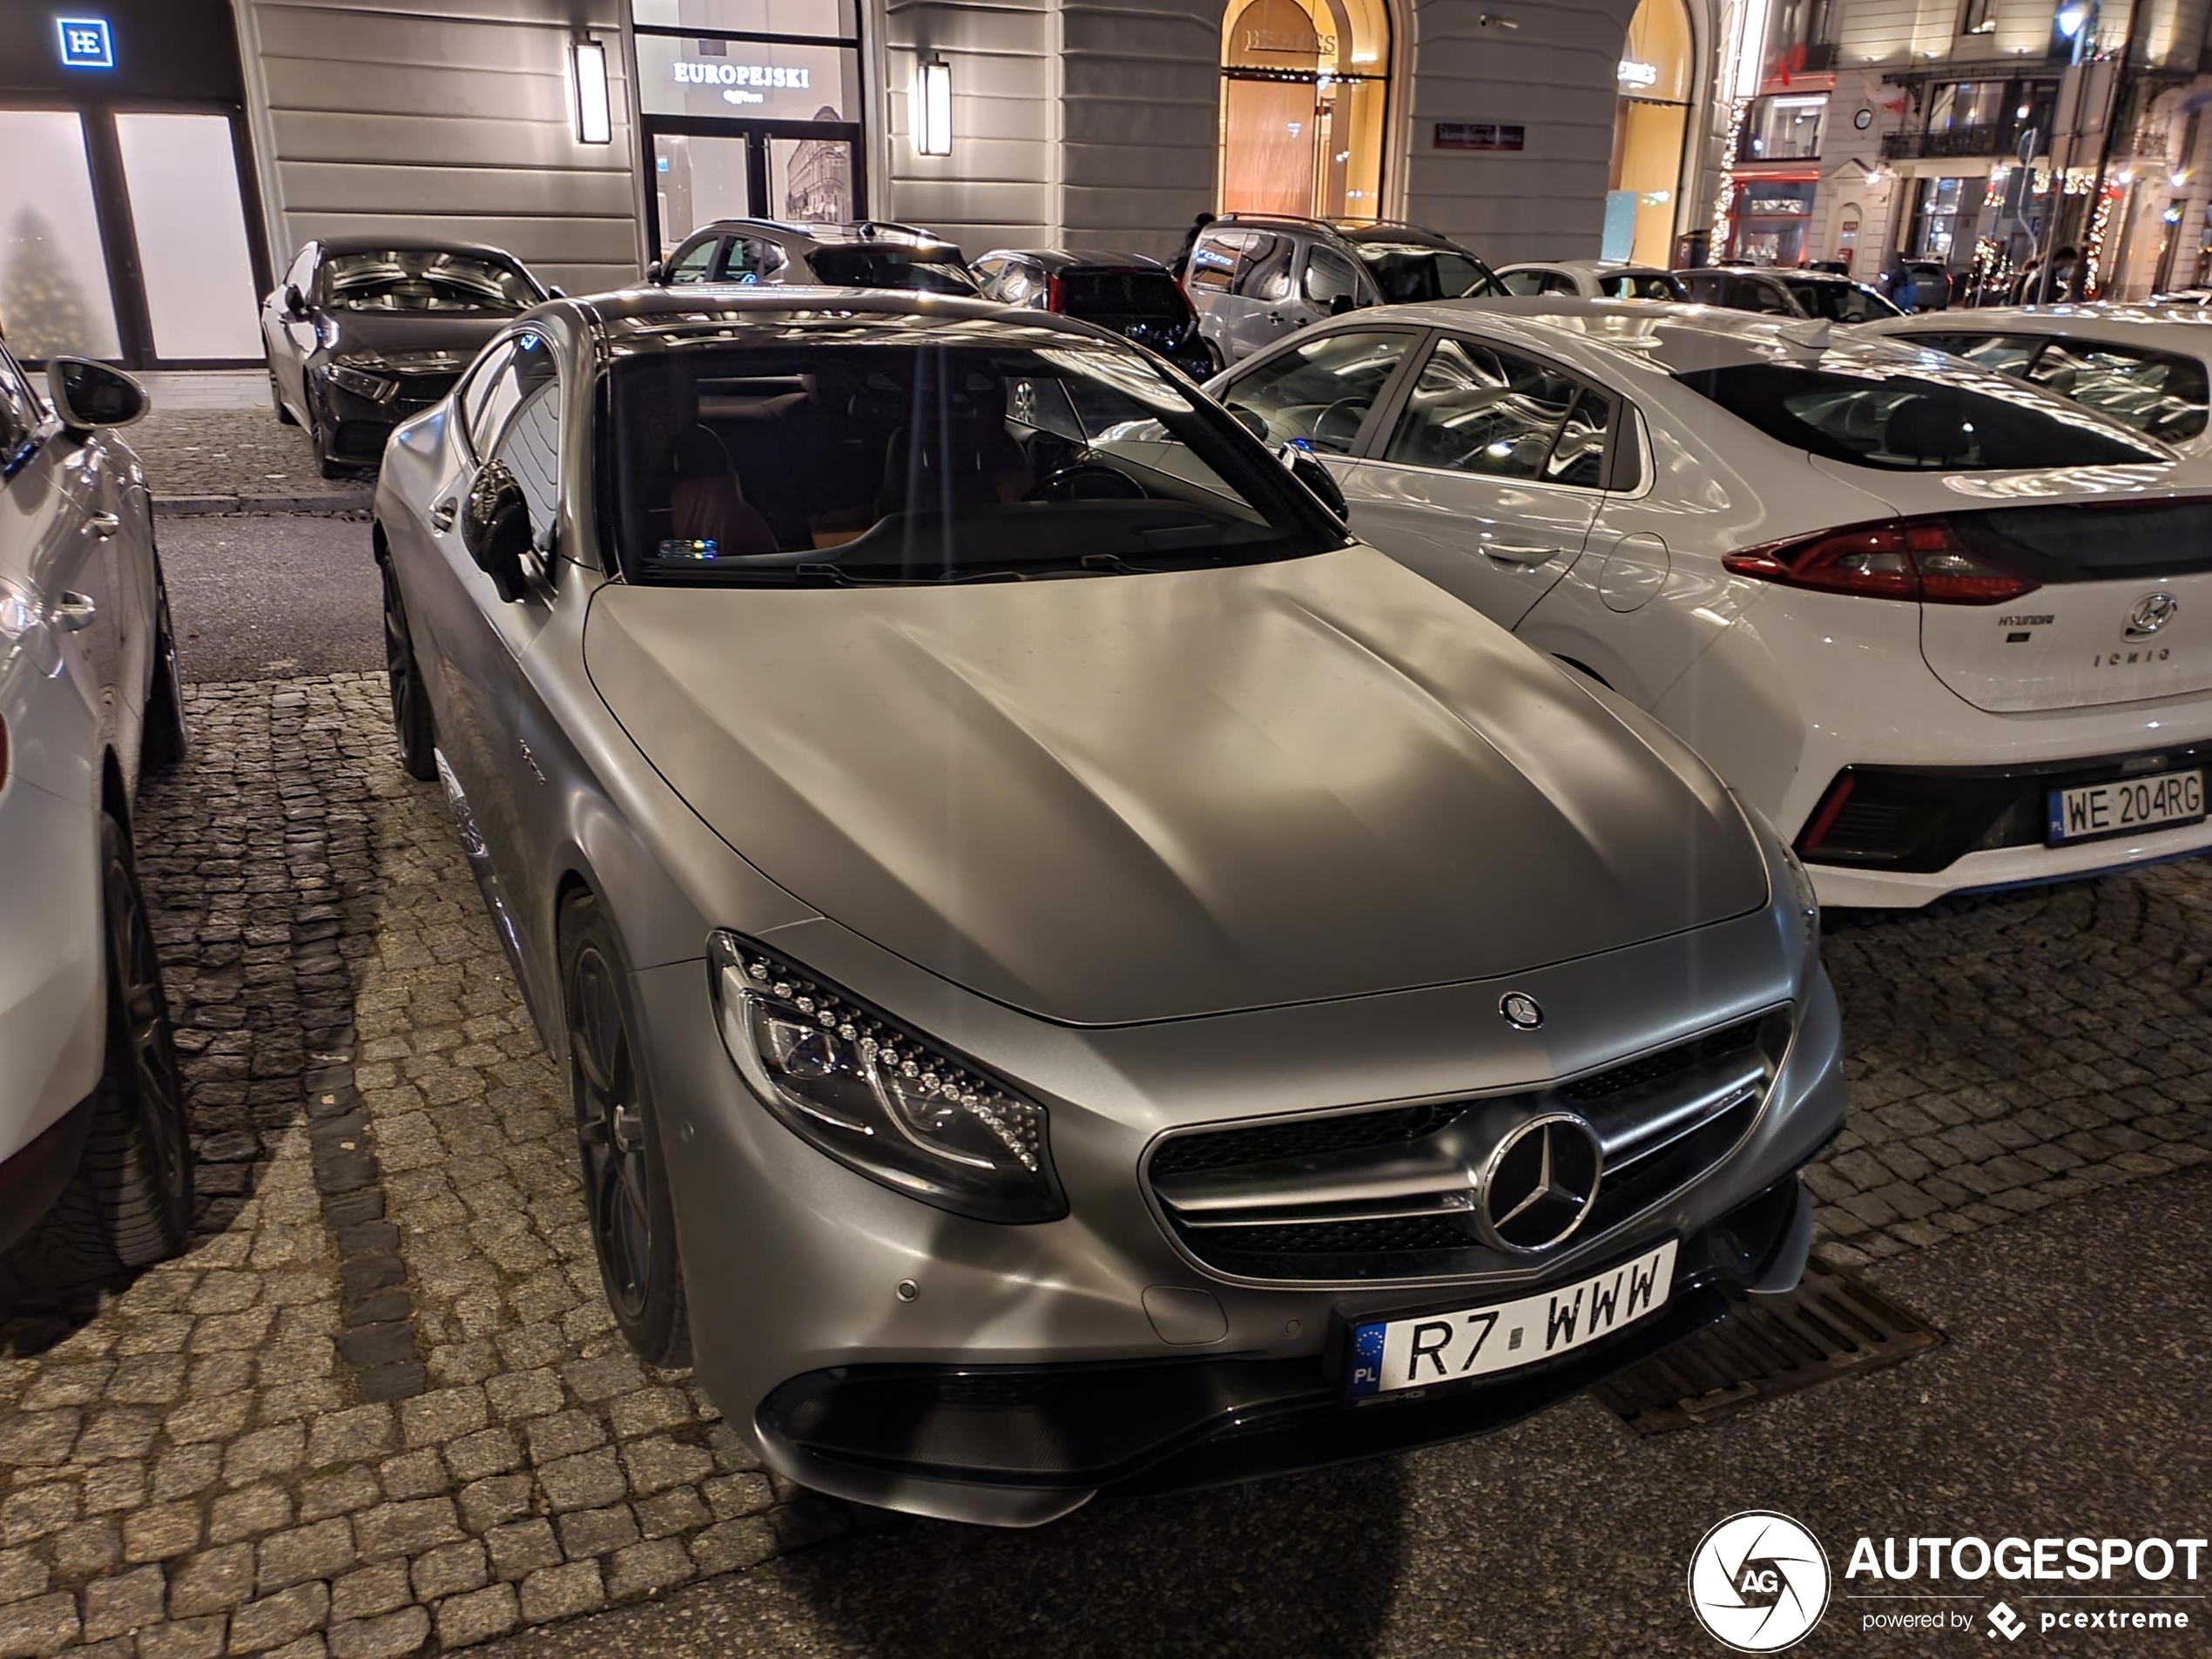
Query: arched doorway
(1303,87)
(1656,76)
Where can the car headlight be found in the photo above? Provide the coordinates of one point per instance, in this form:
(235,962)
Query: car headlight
(876,1096)
(1808,899)
(360,381)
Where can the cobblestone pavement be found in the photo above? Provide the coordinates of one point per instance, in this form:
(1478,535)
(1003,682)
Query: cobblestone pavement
(381,1407)
(226,456)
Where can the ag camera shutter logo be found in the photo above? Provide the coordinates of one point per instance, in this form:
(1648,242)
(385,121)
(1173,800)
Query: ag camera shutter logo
(1758,1582)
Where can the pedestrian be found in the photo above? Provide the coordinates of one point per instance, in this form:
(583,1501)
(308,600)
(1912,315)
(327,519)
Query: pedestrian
(1182,265)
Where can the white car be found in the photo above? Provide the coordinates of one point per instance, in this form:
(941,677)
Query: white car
(1945,630)
(1590,280)
(96,1174)
(2149,366)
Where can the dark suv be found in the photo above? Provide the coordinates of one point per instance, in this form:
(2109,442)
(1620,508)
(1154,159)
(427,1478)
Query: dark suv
(1137,298)
(1255,279)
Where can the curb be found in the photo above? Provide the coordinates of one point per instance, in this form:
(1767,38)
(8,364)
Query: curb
(329,502)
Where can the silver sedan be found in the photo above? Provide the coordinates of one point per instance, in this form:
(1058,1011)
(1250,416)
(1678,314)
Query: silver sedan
(1073,971)
(95,1163)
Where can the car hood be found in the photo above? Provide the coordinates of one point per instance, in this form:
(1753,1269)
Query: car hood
(399,337)
(1120,799)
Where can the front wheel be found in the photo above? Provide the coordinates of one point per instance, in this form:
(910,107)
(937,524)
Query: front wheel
(411,718)
(130,1203)
(625,1177)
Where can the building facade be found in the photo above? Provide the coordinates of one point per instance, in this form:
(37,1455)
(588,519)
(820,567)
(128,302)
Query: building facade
(589,136)
(1982,136)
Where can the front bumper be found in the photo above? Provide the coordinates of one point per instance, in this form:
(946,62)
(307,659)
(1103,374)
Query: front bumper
(796,1267)
(356,427)
(52,971)
(1023,1444)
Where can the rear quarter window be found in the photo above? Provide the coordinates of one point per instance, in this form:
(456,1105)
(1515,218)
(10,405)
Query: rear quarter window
(1909,423)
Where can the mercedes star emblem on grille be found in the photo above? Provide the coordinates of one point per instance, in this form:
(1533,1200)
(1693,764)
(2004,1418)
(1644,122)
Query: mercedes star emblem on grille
(2151,612)
(1540,1184)
(1520,1010)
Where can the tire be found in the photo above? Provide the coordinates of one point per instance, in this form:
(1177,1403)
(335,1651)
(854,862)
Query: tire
(411,718)
(626,1178)
(324,465)
(130,1202)
(165,740)
(284,417)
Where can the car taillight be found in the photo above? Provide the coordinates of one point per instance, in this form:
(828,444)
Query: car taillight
(1055,294)
(1918,559)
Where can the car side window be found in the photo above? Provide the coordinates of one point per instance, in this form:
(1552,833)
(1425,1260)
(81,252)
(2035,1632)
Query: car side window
(531,447)
(1319,393)
(20,413)
(1704,288)
(1478,409)
(1578,454)
(2162,394)
(1216,258)
(1266,272)
(1558,282)
(1751,293)
(476,390)
(1329,278)
(695,263)
(528,367)
(1523,282)
(751,258)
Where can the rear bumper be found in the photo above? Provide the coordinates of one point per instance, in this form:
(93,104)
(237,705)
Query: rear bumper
(1023,1444)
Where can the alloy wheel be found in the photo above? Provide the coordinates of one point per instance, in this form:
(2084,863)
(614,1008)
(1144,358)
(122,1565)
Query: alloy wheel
(399,656)
(143,1014)
(610,1128)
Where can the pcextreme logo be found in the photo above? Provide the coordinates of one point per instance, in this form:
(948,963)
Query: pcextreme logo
(1758,1581)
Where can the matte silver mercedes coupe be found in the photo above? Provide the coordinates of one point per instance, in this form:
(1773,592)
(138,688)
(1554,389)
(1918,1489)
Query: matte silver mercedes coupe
(1073,972)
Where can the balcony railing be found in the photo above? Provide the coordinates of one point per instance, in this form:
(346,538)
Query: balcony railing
(2152,144)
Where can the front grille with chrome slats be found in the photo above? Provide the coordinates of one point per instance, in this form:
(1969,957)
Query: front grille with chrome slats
(418,392)
(1387,1193)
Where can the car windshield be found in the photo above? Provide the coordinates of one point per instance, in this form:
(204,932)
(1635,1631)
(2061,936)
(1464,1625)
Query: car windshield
(845,459)
(424,280)
(1874,417)
(1839,301)
(1411,272)
(876,266)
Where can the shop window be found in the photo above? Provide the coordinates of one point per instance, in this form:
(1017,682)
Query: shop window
(1303,90)
(1785,128)
(1978,17)
(1935,227)
(1650,127)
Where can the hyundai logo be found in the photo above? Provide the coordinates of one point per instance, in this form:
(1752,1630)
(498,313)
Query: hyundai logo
(2151,612)
(1539,1184)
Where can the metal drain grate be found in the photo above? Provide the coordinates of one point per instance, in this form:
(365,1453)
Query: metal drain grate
(1830,1325)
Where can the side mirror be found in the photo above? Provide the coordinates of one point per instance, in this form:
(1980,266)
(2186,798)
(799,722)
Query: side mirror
(555,291)
(295,303)
(655,272)
(1308,470)
(496,528)
(88,395)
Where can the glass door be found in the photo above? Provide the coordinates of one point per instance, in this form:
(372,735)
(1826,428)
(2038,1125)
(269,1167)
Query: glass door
(801,173)
(182,176)
(54,296)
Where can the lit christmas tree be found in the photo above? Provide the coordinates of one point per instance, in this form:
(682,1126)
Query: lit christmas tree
(42,304)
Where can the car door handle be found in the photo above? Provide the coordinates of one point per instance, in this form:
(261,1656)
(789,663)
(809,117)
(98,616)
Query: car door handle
(73,612)
(103,525)
(1519,552)
(442,515)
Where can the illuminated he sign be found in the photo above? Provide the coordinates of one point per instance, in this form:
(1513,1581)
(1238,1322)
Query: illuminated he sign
(1635,74)
(86,43)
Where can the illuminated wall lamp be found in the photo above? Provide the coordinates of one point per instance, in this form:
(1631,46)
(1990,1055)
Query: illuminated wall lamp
(588,69)
(933,106)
